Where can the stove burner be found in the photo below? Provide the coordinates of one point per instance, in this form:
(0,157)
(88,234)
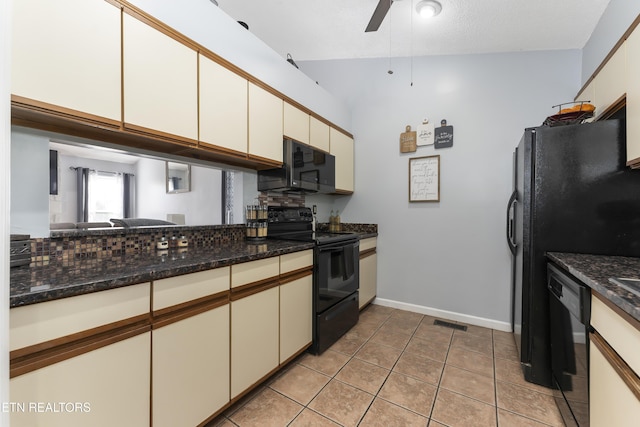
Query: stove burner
(297,224)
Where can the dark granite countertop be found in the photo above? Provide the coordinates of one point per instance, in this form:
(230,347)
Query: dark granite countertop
(70,277)
(595,271)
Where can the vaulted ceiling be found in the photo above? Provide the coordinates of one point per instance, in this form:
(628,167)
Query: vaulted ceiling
(334,29)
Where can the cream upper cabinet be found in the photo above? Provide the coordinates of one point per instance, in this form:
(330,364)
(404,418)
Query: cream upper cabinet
(633,97)
(319,134)
(265,124)
(296,123)
(254,339)
(588,94)
(342,148)
(110,385)
(67,53)
(223,107)
(611,83)
(191,368)
(160,81)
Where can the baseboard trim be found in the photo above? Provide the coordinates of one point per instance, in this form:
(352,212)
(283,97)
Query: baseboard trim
(444,314)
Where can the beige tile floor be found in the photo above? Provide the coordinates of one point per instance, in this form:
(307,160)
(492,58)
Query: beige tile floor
(396,368)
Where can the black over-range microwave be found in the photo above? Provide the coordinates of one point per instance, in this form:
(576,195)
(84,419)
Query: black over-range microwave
(304,169)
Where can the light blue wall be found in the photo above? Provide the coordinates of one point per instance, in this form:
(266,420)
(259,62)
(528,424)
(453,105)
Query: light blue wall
(618,16)
(450,256)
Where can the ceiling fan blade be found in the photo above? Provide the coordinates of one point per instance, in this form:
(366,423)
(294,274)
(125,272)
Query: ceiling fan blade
(378,15)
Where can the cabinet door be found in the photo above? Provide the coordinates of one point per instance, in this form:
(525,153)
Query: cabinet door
(223,107)
(296,123)
(611,81)
(611,402)
(295,316)
(319,134)
(265,124)
(633,97)
(160,81)
(342,148)
(67,53)
(254,339)
(191,368)
(368,278)
(105,387)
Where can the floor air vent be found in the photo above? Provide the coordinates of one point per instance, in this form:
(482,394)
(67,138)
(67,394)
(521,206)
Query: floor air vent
(449,325)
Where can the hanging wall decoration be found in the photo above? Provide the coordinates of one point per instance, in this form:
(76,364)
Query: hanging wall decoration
(424,179)
(408,140)
(443,135)
(425,133)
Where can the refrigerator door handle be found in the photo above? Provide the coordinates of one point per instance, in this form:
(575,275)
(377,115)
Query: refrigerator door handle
(511,222)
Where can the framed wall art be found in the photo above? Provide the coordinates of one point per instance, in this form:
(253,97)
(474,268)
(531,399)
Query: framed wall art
(424,179)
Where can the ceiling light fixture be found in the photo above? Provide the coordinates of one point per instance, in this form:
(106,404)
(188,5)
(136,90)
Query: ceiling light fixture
(428,8)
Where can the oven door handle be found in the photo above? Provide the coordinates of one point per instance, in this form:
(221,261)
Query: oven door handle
(338,246)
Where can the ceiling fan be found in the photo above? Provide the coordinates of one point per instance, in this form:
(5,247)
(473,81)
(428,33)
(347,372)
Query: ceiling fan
(378,15)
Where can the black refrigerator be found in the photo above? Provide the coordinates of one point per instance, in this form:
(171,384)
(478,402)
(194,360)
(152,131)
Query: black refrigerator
(572,193)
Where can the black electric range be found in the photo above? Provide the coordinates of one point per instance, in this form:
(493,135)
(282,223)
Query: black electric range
(336,272)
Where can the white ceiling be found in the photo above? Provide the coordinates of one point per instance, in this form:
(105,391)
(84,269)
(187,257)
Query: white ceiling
(334,29)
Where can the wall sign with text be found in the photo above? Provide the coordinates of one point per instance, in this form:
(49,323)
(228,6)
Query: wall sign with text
(443,135)
(424,179)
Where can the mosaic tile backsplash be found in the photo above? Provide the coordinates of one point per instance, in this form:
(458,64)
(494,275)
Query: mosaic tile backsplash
(102,243)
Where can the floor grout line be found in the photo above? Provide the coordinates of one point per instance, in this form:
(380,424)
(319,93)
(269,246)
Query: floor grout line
(368,336)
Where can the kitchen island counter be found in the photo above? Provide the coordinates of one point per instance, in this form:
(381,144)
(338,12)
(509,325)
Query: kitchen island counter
(61,278)
(595,271)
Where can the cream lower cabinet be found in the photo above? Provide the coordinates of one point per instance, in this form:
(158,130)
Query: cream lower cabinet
(612,402)
(190,347)
(101,346)
(614,384)
(191,368)
(104,387)
(254,339)
(368,271)
(296,303)
(67,53)
(296,316)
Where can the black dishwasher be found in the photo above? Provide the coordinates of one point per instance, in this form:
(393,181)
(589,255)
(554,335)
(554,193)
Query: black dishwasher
(570,314)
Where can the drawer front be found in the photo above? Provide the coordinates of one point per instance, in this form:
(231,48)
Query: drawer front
(620,334)
(296,261)
(254,271)
(181,289)
(33,324)
(369,243)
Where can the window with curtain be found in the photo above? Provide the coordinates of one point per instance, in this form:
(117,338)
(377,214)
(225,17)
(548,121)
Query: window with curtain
(105,196)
